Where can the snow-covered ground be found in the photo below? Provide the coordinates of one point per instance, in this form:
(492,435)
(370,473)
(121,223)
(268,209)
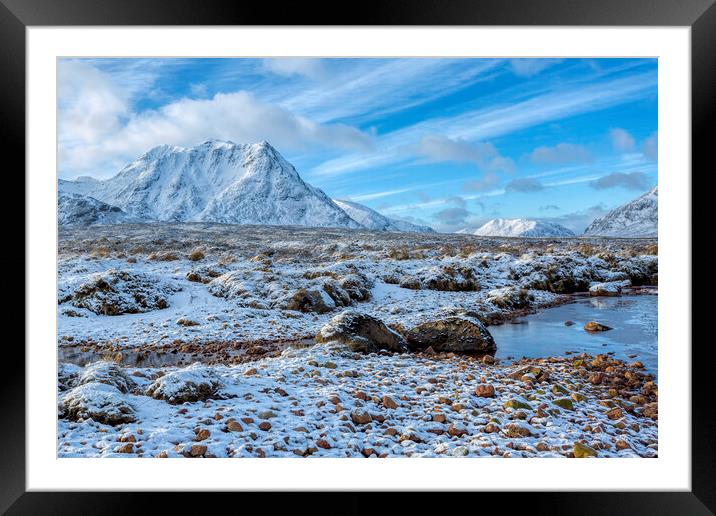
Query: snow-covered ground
(246,301)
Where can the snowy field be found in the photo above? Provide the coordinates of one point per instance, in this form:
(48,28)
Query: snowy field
(197,340)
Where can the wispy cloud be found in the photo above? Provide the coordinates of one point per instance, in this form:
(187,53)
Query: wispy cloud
(490,122)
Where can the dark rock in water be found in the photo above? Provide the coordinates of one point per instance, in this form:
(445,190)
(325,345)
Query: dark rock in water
(569,323)
(362,333)
(593,326)
(464,335)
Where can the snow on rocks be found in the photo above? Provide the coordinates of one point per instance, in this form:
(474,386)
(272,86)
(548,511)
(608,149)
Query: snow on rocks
(460,334)
(195,383)
(608,289)
(106,373)
(510,297)
(116,292)
(320,402)
(362,333)
(98,401)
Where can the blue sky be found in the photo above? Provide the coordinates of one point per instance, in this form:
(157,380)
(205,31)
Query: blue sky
(446,142)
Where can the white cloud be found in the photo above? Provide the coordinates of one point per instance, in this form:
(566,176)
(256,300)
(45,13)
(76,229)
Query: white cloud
(494,121)
(630,180)
(531,67)
(293,66)
(484,184)
(621,140)
(560,154)
(367,89)
(484,155)
(650,147)
(525,184)
(91,106)
(99,133)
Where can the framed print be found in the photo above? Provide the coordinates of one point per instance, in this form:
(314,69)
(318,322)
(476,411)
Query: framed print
(427,248)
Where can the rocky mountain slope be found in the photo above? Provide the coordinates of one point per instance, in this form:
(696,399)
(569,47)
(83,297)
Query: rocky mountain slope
(371,219)
(638,218)
(215,181)
(75,209)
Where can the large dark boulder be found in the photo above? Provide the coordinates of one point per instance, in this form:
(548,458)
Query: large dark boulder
(459,334)
(362,333)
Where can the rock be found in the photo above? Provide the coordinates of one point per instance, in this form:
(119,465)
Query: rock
(313,300)
(491,428)
(609,289)
(564,403)
(186,322)
(194,383)
(117,292)
(615,413)
(97,401)
(569,323)
(362,333)
(265,426)
(651,411)
(107,373)
(460,451)
(578,397)
(538,374)
(126,448)
(559,389)
(360,417)
(458,334)
(162,455)
(266,414)
(622,445)
(389,403)
(517,430)
(202,435)
(197,450)
(410,282)
(322,443)
(582,451)
(455,431)
(234,426)
(509,297)
(517,404)
(593,326)
(596,378)
(488,359)
(439,418)
(485,391)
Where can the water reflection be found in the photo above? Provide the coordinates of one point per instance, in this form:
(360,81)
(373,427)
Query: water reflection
(634,320)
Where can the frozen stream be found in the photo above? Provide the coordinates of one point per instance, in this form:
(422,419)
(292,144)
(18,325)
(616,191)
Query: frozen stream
(633,337)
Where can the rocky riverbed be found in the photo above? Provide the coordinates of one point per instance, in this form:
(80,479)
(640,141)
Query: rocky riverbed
(199,340)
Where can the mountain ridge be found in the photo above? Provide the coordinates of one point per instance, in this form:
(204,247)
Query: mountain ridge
(639,218)
(521,228)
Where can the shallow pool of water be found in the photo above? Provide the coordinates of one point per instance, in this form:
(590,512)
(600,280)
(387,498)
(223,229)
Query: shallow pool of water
(633,337)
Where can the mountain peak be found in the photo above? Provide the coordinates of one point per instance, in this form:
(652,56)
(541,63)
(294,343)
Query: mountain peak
(216,181)
(522,228)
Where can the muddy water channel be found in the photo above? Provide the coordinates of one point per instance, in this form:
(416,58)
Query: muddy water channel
(633,336)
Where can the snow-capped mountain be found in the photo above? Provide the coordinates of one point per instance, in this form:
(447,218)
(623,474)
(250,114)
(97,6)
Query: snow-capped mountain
(216,181)
(637,218)
(521,228)
(371,219)
(80,210)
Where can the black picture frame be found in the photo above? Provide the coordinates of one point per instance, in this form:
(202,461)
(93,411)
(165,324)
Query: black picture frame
(17,15)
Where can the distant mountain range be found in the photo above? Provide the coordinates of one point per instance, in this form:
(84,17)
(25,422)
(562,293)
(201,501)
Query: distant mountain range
(638,218)
(371,219)
(521,228)
(216,181)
